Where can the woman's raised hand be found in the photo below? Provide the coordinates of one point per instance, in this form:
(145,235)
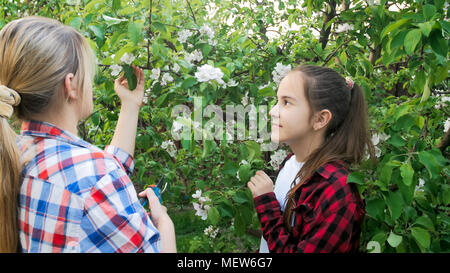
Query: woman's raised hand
(127,96)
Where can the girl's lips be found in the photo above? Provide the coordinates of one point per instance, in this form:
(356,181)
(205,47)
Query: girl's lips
(276,125)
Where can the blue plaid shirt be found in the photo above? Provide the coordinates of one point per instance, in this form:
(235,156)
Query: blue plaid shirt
(76,197)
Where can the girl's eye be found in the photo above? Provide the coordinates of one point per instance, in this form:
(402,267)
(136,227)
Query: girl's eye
(286,102)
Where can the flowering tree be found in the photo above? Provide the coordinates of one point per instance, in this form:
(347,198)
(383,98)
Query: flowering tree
(231,54)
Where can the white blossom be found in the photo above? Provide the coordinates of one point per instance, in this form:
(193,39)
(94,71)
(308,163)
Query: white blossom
(170,147)
(184,35)
(212,42)
(200,211)
(201,208)
(127,58)
(207,73)
(156,72)
(447,125)
(177,126)
(243,162)
(244,100)
(232,83)
(277,158)
(146,94)
(443,102)
(115,69)
(197,194)
(196,55)
(211,232)
(344,27)
(207,31)
(420,187)
(165,79)
(376,138)
(280,72)
(176,67)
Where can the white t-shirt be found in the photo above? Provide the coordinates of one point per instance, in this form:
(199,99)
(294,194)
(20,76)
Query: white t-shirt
(282,187)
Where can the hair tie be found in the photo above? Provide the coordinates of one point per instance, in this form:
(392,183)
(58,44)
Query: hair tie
(349,82)
(8,99)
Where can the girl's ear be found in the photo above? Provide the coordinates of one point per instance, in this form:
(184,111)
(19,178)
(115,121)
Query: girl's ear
(322,119)
(69,89)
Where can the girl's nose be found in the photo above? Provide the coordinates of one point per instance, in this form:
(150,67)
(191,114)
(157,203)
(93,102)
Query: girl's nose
(274,111)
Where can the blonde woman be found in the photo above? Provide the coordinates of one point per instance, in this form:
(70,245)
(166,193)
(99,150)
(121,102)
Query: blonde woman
(59,193)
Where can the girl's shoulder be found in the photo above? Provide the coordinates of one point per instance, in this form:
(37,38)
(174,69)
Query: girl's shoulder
(336,191)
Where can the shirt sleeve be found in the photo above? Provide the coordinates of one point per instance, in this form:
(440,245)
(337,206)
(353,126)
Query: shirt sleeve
(330,232)
(114,220)
(124,158)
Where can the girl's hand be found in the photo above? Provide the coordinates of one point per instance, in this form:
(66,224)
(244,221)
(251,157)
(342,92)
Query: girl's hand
(260,184)
(158,212)
(127,96)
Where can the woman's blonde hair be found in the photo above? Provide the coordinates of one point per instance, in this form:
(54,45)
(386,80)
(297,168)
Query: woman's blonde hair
(36,54)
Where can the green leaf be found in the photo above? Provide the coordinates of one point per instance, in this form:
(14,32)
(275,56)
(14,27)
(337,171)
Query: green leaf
(135,32)
(208,147)
(240,197)
(429,11)
(99,34)
(426,28)
(266,92)
(226,209)
(356,177)
(96,118)
(254,150)
(130,76)
(213,216)
(425,222)
(375,208)
(407,173)
(113,21)
(395,204)
(189,82)
(244,172)
(394,240)
(430,162)
(76,22)
(116,5)
(426,91)
(411,40)
(161,101)
(393,26)
(421,236)
(206,49)
(438,43)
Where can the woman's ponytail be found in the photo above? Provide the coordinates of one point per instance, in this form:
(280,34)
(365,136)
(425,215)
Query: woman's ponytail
(9,187)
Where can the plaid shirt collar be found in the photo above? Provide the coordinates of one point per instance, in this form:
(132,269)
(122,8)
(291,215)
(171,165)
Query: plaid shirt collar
(44,129)
(325,170)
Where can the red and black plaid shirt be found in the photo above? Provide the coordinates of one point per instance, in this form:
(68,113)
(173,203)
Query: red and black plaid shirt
(328,214)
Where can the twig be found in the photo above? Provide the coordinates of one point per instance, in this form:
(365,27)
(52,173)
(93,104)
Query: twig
(331,55)
(192,12)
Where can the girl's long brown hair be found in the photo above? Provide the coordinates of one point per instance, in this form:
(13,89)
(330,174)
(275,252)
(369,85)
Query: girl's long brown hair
(346,136)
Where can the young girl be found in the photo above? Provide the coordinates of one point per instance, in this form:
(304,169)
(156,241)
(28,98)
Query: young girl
(72,196)
(322,117)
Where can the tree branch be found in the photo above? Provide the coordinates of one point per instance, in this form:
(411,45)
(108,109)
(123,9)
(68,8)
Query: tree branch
(192,12)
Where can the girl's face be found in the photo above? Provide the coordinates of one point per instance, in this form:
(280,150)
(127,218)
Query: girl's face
(291,116)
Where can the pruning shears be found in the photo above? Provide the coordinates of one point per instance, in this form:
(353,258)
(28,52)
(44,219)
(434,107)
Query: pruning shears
(157,190)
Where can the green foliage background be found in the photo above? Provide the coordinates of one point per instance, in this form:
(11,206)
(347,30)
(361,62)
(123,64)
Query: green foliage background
(397,51)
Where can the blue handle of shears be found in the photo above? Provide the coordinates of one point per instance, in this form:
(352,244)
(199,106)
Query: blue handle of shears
(156,190)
